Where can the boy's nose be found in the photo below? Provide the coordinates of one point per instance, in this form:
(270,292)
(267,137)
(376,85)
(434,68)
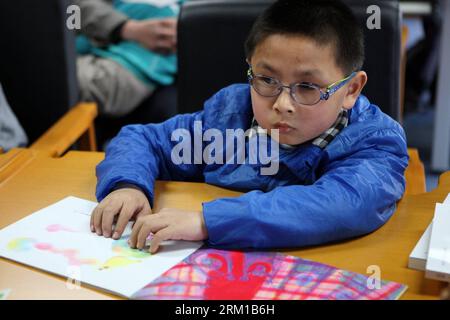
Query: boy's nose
(284,102)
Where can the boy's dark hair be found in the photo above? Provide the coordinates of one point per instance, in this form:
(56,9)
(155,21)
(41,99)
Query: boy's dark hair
(324,21)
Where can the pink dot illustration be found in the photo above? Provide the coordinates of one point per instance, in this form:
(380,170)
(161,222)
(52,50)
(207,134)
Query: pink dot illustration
(70,252)
(57,228)
(43,246)
(54,228)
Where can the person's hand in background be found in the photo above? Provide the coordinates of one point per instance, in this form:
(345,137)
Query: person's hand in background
(159,35)
(123,205)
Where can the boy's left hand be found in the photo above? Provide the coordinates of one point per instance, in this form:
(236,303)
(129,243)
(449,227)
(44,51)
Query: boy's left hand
(168,224)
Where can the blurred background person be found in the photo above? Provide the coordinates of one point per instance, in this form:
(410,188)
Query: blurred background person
(127,50)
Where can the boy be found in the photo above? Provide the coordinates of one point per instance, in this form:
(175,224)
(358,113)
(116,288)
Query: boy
(341,161)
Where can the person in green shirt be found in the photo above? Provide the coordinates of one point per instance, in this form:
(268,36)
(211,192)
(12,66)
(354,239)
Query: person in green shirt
(127,50)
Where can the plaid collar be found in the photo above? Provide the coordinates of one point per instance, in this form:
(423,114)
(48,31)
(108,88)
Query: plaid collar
(321,141)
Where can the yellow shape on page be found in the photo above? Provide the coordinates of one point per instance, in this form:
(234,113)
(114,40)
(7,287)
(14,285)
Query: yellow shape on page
(118,261)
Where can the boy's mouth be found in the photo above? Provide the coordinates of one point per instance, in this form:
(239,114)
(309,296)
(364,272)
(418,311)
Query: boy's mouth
(283,127)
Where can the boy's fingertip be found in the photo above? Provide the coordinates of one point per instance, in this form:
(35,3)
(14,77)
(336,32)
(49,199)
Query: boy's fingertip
(116,235)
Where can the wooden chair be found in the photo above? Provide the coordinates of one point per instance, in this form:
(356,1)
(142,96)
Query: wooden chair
(76,126)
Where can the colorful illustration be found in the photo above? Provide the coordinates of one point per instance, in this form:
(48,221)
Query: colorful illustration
(70,254)
(118,261)
(125,255)
(21,244)
(58,237)
(122,248)
(25,244)
(59,227)
(210,274)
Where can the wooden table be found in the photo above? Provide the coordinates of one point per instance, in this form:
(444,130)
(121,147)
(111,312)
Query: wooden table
(30,180)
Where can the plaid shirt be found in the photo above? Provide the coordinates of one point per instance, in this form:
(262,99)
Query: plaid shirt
(321,141)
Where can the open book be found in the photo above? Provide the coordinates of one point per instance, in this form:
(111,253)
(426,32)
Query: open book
(58,239)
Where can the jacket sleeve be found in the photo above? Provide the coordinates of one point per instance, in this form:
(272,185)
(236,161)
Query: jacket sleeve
(140,154)
(354,195)
(99,19)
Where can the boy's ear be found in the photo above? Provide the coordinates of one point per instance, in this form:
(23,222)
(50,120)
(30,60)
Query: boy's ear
(355,87)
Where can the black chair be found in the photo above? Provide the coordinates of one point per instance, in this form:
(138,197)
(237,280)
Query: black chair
(160,106)
(37,62)
(211,36)
(38,71)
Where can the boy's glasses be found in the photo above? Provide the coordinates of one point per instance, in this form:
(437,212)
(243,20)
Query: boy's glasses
(303,93)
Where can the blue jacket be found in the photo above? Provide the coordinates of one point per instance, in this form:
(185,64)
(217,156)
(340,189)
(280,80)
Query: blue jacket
(347,189)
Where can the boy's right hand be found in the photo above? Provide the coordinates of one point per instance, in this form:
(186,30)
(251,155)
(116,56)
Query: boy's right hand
(122,205)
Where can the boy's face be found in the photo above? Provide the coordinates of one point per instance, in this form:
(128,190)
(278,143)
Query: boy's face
(294,59)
